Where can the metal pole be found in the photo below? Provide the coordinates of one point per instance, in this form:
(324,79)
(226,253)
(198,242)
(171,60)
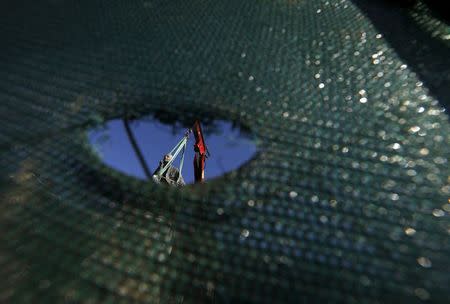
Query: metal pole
(136,149)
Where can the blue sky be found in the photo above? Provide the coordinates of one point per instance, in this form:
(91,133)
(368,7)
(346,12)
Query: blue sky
(228,149)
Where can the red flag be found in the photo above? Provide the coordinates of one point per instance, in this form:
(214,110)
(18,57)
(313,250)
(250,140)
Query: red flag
(200,153)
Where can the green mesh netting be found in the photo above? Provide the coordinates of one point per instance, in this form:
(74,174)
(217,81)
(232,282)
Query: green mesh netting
(346,201)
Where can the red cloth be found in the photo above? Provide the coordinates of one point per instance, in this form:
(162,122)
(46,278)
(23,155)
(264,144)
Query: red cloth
(200,153)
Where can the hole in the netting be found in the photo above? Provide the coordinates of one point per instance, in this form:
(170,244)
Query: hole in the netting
(137,148)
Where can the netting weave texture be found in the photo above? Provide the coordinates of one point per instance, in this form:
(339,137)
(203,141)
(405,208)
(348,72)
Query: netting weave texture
(347,200)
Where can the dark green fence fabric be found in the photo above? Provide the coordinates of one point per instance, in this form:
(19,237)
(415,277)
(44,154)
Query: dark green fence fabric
(347,200)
